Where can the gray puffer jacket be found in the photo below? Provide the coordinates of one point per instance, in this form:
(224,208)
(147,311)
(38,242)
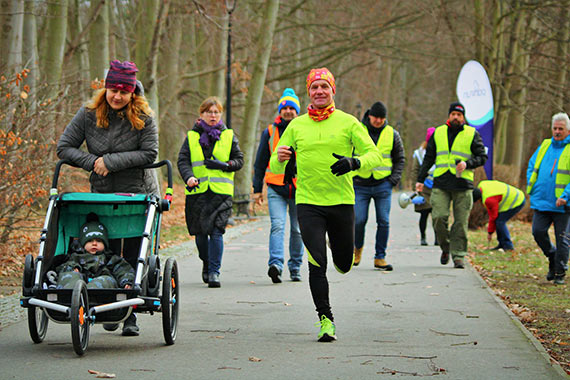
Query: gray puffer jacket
(122,147)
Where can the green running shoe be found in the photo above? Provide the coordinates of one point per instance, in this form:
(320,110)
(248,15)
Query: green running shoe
(328,329)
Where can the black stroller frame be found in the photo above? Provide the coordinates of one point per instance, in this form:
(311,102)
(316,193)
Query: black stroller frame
(82,307)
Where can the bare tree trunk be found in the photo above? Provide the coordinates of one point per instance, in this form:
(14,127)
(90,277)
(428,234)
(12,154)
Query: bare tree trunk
(562,53)
(501,123)
(220,75)
(248,131)
(169,87)
(99,43)
(16,38)
(479,9)
(5,32)
(514,155)
(80,55)
(30,52)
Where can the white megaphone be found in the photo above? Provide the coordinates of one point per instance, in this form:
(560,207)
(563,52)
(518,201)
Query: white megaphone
(404,199)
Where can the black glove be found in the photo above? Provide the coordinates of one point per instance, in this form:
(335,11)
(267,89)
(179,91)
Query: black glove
(291,168)
(216,164)
(344,164)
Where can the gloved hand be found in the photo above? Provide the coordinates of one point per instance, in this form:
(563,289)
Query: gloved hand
(418,200)
(216,164)
(344,164)
(291,168)
(428,183)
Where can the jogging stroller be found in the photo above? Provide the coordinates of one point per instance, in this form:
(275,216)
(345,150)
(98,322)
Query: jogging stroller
(125,216)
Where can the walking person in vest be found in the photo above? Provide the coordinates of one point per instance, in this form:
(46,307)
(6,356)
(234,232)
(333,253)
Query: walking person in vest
(548,184)
(323,140)
(377,184)
(424,209)
(207,161)
(456,149)
(279,195)
(502,202)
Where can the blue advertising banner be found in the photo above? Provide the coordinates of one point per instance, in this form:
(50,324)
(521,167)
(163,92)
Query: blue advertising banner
(474,92)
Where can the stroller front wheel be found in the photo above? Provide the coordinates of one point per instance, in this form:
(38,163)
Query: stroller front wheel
(37,323)
(80,321)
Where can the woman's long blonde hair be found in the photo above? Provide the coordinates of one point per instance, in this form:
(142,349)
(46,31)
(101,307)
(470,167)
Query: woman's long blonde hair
(136,111)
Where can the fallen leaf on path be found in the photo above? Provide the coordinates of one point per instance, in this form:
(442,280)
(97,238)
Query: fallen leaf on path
(434,294)
(254,359)
(252,282)
(102,375)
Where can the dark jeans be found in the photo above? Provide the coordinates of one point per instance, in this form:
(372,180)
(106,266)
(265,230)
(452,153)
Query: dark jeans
(315,223)
(382,195)
(211,249)
(503,235)
(541,222)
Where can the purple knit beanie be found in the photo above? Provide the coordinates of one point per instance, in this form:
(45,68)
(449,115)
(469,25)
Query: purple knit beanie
(122,76)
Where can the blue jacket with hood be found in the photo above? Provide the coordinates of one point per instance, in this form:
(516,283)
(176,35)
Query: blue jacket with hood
(542,197)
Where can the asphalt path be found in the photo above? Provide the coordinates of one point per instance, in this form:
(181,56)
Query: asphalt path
(422,319)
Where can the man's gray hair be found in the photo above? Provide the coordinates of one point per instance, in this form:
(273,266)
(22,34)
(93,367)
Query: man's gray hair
(561,116)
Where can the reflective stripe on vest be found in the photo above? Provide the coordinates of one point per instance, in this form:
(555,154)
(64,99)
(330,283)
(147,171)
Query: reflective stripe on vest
(385,145)
(460,150)
(512,197)
(218,181)
(562,169)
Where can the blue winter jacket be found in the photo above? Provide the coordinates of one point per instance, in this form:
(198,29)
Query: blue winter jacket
(542,196)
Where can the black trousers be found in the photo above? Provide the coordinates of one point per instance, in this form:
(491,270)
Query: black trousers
(315,223)
(129,247)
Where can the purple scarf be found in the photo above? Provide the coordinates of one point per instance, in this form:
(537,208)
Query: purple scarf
(211,134)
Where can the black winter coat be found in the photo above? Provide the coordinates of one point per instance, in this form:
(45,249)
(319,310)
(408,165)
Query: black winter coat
(122,147)
(207,210)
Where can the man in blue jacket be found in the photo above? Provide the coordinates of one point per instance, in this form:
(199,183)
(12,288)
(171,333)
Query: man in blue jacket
(548,184)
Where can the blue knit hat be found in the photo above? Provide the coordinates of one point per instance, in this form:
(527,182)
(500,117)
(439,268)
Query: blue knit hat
(289,98)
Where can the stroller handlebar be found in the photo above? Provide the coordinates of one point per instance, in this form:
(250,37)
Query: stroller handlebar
(154,165)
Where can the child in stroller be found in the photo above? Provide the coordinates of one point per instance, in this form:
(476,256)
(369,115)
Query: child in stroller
(94,262)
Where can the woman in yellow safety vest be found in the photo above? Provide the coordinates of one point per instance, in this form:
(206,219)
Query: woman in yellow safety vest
(207,161)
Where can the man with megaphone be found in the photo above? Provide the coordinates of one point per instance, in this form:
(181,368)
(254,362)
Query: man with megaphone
(456,149)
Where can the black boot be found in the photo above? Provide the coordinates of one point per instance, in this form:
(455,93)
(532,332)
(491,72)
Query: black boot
(423,240)
(559,279)
(130,327)
(550,274)
(205,272)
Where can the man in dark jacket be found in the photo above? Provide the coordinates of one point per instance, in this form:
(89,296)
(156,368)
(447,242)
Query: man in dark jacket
(377,184)
(279,194)
(456,149)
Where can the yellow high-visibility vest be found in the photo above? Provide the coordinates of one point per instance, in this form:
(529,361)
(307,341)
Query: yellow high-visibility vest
(385,145)
(562,170)
(460,150)
(512,197)
(218,181)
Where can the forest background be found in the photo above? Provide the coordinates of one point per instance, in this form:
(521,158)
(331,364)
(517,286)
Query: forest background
(406,53)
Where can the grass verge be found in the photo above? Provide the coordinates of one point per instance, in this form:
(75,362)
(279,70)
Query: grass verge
(519,279)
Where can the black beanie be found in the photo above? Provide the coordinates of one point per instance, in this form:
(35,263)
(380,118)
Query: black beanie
(456,106)
(378,109)
(93,229)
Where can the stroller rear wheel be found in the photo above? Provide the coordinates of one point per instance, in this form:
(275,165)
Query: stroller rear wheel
(80,321)
(169,301)
(37,323)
